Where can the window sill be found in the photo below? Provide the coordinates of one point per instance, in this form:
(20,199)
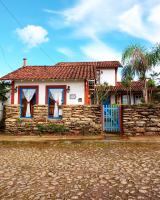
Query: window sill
(55,118)
(26,118)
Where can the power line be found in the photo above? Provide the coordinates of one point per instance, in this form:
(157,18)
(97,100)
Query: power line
(11,13)
(45,53)
(21,25)
(4,58)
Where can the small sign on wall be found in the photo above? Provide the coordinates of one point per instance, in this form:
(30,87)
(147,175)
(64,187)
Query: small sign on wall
(79,99)
(72,96)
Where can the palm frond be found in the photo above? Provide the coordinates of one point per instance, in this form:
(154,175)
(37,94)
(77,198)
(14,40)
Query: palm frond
(132,53)
(128,72)
(154,56)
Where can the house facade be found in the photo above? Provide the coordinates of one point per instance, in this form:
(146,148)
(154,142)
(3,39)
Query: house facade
(70,83)
(62,84)
(63,94)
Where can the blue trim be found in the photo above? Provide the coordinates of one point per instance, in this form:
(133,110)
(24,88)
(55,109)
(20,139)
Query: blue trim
(107,101)
(26,117)
(54,117)
(49,102)
(111,118)
(21,105)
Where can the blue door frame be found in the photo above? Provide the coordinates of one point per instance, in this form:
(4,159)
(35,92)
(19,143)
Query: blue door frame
(50,88)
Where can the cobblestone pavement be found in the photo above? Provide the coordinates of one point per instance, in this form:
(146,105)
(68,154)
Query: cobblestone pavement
(80,171)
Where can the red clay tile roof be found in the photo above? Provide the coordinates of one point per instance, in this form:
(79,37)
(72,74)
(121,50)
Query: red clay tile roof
(98,64)
(70,70)
(135,86)
(52,72)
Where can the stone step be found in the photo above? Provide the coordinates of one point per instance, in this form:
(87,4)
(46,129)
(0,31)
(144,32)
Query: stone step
(114,136)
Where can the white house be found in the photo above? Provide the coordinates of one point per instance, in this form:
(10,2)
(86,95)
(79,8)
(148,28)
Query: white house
(70,83)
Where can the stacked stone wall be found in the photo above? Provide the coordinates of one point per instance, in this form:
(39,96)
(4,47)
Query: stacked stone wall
(82,119)
(141,120)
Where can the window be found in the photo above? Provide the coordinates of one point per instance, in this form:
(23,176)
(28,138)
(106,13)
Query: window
(56,97)
(28,98)
(124,99)
(118,99)
(138,98)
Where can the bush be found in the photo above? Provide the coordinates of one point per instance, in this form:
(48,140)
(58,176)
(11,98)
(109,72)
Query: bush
(52,128)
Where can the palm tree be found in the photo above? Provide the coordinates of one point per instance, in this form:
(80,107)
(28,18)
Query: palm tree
(127,80)
(4,89)
(140,61)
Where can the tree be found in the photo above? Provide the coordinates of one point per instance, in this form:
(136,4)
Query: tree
(102,92)
(127,77)
(152,83)
(4,89)
(140,61)
(155,77)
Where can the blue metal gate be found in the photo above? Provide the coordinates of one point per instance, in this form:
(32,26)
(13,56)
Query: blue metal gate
(111,118)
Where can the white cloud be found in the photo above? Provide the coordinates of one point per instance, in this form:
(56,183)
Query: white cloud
(66,51)
(133,23)
(130,21)
(32,35)
(92,18)
(99,51)
(155,15)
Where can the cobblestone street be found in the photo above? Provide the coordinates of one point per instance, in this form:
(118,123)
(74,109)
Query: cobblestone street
(80,171)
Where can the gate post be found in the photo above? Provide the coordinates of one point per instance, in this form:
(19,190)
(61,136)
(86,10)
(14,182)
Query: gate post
(102,116)
(121,119)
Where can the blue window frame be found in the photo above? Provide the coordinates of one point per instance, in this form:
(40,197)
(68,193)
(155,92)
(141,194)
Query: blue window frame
(52,103)
(23,102)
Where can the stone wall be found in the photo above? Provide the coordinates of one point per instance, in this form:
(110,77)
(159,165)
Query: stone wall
(141,120)
(79,119)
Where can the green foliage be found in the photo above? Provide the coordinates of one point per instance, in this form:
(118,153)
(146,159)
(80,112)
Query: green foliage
(155,75)
(102,91)
(127,73)
(114,105)
(139,60)
(52,128)
(151,83)
(4,89)
(19,121)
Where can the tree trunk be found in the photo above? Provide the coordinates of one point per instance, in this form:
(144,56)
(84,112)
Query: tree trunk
(145,92)
(130,94)
(151,95)
(127,96)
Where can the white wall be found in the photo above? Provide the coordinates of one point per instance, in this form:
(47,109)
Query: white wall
(113,99)
(76,87)
(108,76)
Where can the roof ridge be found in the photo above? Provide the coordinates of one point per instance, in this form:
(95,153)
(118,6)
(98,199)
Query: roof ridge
(103,61)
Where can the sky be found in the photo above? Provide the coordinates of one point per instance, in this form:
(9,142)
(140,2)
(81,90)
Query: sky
(50,31)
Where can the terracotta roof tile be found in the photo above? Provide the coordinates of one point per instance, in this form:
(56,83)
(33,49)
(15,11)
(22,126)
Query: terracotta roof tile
(52,72)
(97,64)
(135,86)
(68,70)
